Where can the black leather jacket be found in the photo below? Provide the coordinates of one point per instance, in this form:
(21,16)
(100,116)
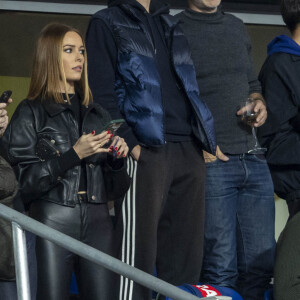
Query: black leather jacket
(42,179)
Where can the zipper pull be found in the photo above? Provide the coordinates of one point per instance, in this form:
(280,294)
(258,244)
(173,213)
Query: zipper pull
(178,86)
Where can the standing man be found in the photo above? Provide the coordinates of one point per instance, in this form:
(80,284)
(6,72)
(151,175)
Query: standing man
(239,228)
(279,78)
(140,69)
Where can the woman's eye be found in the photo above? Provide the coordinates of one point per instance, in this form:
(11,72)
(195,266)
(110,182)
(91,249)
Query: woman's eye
(82,51)
(68,50)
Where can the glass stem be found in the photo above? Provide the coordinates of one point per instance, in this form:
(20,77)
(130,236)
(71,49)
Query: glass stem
(255,137)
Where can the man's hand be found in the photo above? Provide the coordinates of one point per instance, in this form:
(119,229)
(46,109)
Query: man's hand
(260,108)
(3,116)
(211,158)
(136,152)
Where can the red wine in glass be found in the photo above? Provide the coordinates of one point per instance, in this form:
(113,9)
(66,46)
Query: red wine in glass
(249,117)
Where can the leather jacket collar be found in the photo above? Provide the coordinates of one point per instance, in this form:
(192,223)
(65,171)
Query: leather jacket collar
(54,109)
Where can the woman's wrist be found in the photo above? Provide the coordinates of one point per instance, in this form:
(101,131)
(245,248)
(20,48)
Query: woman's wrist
(76,150)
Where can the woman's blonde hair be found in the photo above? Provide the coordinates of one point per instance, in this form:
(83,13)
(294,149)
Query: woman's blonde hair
(48,71)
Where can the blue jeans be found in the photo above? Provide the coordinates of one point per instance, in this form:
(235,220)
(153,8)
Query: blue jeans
(239,226)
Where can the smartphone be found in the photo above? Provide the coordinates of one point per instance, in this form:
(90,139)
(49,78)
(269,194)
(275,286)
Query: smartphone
(113,125)
(5,96)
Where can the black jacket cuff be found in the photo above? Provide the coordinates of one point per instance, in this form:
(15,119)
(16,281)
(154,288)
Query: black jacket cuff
(68,160)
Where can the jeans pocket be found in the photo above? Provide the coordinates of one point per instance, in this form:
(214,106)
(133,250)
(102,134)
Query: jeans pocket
(211,162)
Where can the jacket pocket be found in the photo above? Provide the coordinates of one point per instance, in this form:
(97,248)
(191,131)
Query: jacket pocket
(51,144)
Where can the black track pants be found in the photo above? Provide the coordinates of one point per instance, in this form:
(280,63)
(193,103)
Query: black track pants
(162,221)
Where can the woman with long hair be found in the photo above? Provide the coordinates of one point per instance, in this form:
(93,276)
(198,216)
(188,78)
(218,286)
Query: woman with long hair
(67,163)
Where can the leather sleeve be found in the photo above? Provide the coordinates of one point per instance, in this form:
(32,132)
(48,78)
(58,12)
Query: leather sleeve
(35,177)
(116,182)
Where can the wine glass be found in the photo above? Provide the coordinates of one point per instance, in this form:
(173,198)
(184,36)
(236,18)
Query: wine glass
(249,117)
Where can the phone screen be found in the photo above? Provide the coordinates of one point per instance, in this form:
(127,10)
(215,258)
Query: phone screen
(114,125)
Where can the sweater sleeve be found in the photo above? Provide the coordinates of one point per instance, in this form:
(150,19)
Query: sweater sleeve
(102,57)
(254,84)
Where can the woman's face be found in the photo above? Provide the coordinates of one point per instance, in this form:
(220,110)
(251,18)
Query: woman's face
(73,57)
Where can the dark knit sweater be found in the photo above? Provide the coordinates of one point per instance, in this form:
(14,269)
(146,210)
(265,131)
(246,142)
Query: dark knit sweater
(221,51)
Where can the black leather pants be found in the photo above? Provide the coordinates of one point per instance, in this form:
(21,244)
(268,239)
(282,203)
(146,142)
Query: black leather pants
(89,223)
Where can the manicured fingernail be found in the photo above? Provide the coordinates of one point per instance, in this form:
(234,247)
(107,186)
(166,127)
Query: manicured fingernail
(111,147)
(93,132)
(108,132)
(119,153)
(116,148)
(111,135)
(123,155)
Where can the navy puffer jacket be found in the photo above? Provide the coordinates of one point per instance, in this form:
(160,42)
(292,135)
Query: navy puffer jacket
(137,79)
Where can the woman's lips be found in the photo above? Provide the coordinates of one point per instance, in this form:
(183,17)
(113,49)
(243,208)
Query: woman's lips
(77,69)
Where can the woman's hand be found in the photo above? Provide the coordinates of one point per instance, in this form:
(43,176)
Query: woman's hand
(90,144)
(119,147)
(3,117)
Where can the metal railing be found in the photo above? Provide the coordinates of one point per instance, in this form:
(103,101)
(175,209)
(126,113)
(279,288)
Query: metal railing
(21,222)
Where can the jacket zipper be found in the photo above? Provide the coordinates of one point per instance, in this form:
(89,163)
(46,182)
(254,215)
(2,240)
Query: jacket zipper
(76,131)
(147,33)
(152,42)
(88,170)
